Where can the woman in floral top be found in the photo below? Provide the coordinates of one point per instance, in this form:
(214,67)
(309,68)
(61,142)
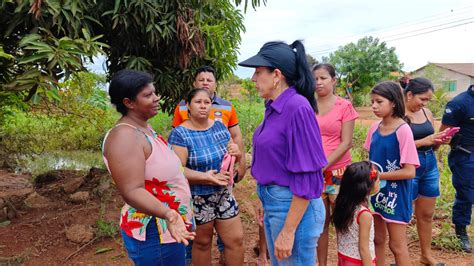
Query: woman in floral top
(157,219)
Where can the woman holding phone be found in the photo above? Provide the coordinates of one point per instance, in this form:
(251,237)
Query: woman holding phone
(201,143)
(418,93)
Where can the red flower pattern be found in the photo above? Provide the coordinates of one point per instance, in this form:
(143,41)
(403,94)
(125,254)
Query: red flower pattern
(158,189)
(128,226)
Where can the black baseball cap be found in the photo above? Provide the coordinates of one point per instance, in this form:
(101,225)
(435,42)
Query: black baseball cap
(275,55)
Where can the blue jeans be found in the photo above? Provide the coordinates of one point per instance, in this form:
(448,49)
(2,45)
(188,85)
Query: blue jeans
(189,249)
(276,202)
(426,181)
(151,252)
(462,168)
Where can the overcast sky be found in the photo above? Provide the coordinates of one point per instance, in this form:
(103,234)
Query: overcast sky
(442,31)
(324,25)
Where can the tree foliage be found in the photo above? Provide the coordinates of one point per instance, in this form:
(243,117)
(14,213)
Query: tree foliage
(440,95)
(364,63)
(311,61)
(44,41)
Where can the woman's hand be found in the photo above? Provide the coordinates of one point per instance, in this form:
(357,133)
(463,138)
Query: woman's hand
(259,213)
(443,139)
(433,139)
(284,244)
(233,149)
(215,178)
(177,227)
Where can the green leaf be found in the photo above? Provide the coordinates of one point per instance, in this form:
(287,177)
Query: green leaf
(53,94)
(5,223)
(33,58)
(5,55)
(103,250)
(35,45)
(35,99)
(74,7)
(29,38)
(86,34)
(116,6)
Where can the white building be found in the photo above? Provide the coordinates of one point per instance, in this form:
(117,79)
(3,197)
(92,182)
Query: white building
(456,77)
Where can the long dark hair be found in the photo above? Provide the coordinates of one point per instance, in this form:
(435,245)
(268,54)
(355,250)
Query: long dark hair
(304,84)
(356,184)
(392,92)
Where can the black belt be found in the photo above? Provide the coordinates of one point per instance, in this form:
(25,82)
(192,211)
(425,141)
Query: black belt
(468,147)
(465,149)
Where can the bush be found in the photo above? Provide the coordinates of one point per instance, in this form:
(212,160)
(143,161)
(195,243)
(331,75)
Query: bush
(32,133)
(250,116)
(438,102)
(107,229)
(77,120)
(358,152)
(161,123)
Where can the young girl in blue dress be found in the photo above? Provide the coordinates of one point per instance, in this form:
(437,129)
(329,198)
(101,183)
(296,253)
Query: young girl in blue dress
(392,148)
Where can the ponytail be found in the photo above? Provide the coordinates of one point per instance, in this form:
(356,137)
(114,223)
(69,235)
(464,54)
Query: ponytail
(304,82)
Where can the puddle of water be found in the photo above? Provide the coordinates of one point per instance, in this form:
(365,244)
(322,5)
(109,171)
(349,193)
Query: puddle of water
(70,160)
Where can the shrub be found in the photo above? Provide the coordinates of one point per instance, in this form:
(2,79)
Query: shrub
(250,116)
(358,152)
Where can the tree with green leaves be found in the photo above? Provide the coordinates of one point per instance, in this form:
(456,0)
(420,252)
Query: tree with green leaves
(364,63)
(311,61)
(440,94)
(45,41)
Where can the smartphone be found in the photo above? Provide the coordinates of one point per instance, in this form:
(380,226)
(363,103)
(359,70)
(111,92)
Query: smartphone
(451,132)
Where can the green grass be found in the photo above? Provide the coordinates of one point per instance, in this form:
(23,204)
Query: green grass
(250,115)
(107,229)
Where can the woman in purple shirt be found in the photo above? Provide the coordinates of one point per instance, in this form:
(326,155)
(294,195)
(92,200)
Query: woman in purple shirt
(288,156)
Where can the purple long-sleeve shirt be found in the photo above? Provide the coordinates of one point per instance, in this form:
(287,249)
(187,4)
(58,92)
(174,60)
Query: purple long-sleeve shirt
(287,146)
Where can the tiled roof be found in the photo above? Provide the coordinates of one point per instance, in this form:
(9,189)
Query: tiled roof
(463,68)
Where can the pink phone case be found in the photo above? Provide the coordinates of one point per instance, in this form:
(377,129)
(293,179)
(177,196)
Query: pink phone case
(451,132)
(228,166)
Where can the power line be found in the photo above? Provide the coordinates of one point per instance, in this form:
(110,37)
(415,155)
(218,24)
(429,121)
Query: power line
(435,17)
(420,21)
(414,35)
(387,38)
(412,23)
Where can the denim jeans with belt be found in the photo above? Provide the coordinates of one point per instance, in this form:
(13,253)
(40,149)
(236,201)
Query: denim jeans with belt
(276,202)
(151,251)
